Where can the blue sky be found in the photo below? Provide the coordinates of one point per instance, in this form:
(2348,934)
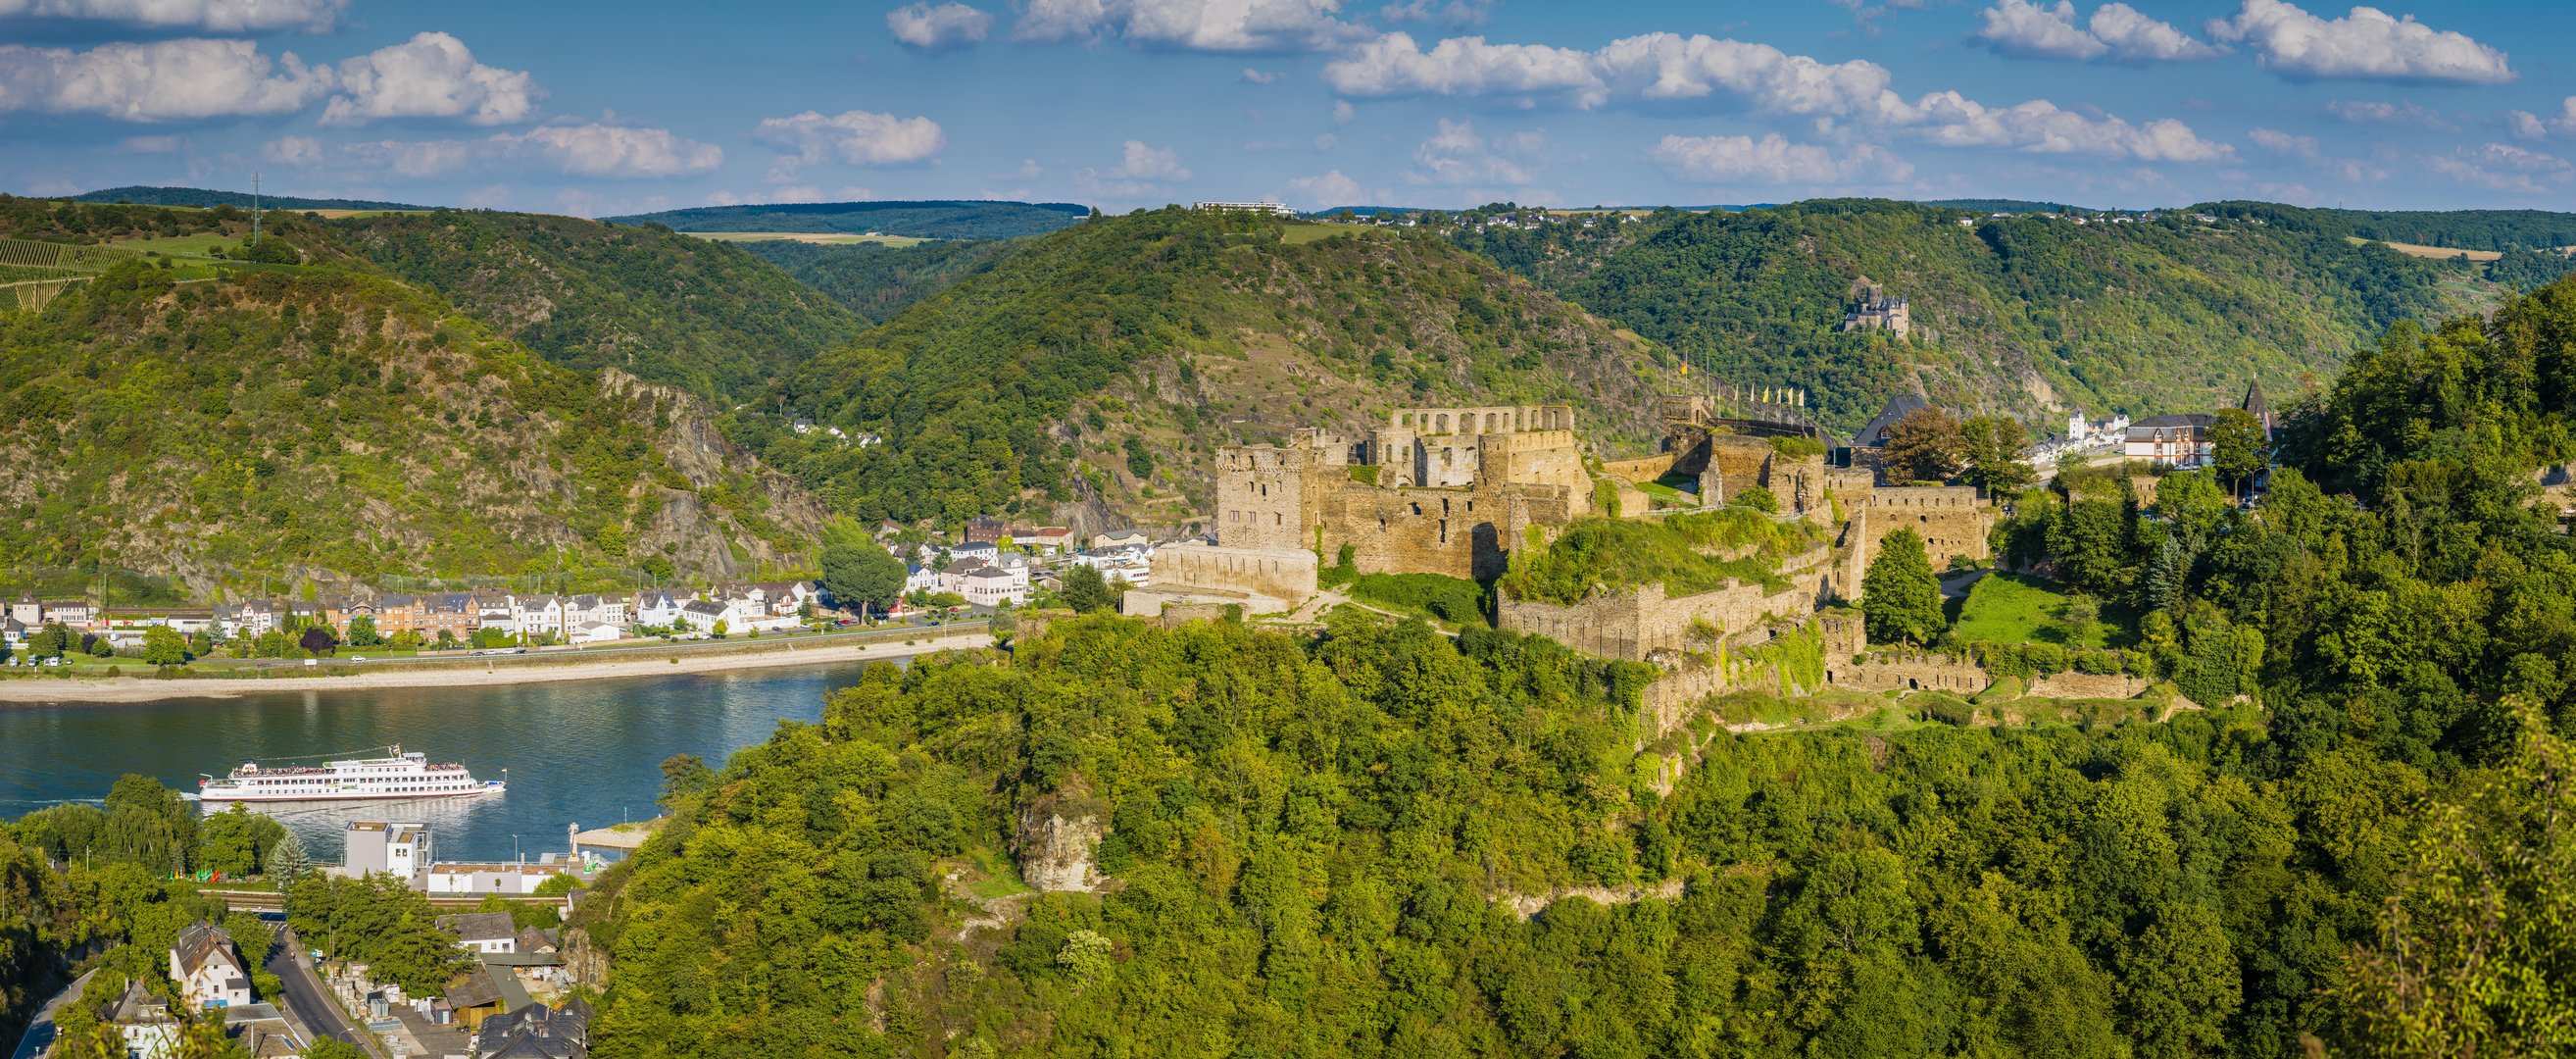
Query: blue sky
(604,108)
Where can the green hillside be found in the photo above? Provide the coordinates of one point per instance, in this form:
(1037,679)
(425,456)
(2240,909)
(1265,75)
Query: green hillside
(702,315)
(2454,229)
(203,198)
(2025,314)
(1092,373)
(284,423)
(874,280)
(927,220)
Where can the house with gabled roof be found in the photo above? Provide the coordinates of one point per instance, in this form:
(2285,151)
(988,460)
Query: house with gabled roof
(208,969)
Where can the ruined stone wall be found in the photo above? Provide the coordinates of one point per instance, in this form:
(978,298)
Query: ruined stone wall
(1949,518)
(2088,686)
(1886,670)
(1277,573)
(1548,459)
(1638,623)
(1264,494)
(1641,469)
(1499,419)
(1458,532)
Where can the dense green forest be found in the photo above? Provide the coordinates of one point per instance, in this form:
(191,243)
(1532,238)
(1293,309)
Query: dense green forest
(705,316)
(2027,315)
(2455,229)
(1331,844)
(203,198)
(876,280)
(925,220)
(306,422)
(1106,362)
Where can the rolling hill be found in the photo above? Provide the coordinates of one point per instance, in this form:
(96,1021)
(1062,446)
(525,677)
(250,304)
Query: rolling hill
(1089,375)
(199,426)
(877,281)
(204,198)
(2024,314)
(927,220)
(706,316)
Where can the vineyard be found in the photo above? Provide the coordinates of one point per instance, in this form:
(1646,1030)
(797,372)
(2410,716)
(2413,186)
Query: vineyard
(34,273)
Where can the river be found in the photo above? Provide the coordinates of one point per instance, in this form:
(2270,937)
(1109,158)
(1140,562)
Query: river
(586,752)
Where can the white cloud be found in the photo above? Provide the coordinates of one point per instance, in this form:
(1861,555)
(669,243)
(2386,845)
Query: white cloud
(2532,126)
(1664,67)
(1456,156)
(928,29)
(1342,112)
(297,151)
(1772,161)
(859,137)
(598,150)
(410,158)
(2116,32)
(210,16)
(2367,43)
(1330,190)
(1326,142)
(152,144)
(2373,112)
(2507,168)
(1261,77)
(1193,25)
(1150,164)
(432,75)
(2278,142)
(159,81)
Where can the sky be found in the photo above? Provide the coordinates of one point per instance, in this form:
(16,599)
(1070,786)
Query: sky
(595,109)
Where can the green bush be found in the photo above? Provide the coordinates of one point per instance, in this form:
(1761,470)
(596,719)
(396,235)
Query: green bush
(1452,599)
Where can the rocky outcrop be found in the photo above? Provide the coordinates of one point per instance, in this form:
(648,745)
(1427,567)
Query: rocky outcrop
(1059,837)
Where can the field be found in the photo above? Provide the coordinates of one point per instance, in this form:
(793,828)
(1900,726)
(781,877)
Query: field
(2014,608)
(2437,253)
(826,238)
(1294,234)
(202,244)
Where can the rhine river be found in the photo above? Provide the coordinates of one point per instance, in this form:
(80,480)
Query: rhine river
(581,751)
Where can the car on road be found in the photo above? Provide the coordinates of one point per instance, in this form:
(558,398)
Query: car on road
(357,658)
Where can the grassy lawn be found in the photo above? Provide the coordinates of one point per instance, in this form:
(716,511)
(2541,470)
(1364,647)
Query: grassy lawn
(2015,608)
(1301,234)
(808,237)
(202,244)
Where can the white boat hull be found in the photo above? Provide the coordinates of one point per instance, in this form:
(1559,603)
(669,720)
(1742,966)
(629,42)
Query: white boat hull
(227,798)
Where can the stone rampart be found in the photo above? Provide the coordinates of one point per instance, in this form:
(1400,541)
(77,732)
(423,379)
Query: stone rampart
(1636,624)
(2087,686)
(1261,580)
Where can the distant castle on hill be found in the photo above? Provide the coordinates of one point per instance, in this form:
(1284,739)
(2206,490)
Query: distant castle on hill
(1877,312)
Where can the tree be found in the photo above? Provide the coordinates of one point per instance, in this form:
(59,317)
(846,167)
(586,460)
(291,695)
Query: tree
(858,571)
(286,860)
(1924,446)
(721,627)
(1900,598)
(1993,447)
(318,641)
(1086,591)
(163,646)
(2472,955)
(362,632)
(98,645)
(406,640)
(2239,448)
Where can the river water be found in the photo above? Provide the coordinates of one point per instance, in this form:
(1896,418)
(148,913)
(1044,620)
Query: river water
(585,752)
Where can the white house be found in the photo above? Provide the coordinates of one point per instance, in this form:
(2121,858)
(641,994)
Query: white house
(657,609)
(919,578)
(785,598)
(594,632)
(397,848)
(1121,539)
(469,879)
(480,932)
(702,615)
(497,612)
(208,969)
(991,586)
(539,615)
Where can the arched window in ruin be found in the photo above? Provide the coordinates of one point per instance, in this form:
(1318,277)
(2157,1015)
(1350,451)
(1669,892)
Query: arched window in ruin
(1489,422)
(1405,420)
(1443,424)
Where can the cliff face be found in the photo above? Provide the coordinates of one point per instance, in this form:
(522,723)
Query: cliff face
(1057,838)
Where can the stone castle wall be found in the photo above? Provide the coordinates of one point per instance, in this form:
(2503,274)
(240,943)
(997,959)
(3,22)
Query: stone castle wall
(1640,623)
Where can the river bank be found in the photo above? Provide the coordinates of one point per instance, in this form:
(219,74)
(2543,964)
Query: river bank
(515,669)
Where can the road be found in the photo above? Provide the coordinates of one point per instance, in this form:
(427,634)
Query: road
(349,655)
(308,997)
(40,1033)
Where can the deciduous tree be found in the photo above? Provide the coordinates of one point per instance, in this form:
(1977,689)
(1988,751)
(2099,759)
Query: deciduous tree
(1900,597)
(1993,447)
(1925,445)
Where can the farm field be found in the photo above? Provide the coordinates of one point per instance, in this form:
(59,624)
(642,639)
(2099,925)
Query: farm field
(2437,253)
(825,238)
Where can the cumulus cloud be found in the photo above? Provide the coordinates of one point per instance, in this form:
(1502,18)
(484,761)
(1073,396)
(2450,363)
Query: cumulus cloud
(2278,142)
(859,137)
(159,81)
(209,16)
(1665,67)
(1261,77)
(432,75)
(1330,190)
(1455,14)
(930,30)
(298,151)
(2368,44)
(2116,33)
(1151,164)
(2505,167)
(598,150)
(2373,112)
(1456,156)
(1192,25)
(1772,161)
(152,144)
(2532,126)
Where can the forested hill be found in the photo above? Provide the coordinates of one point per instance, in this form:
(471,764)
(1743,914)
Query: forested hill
(1098,368)
(214,428)
(204,198)
(702,315)
(2027,314)
(877,280)
(926,220)
(2450,229)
